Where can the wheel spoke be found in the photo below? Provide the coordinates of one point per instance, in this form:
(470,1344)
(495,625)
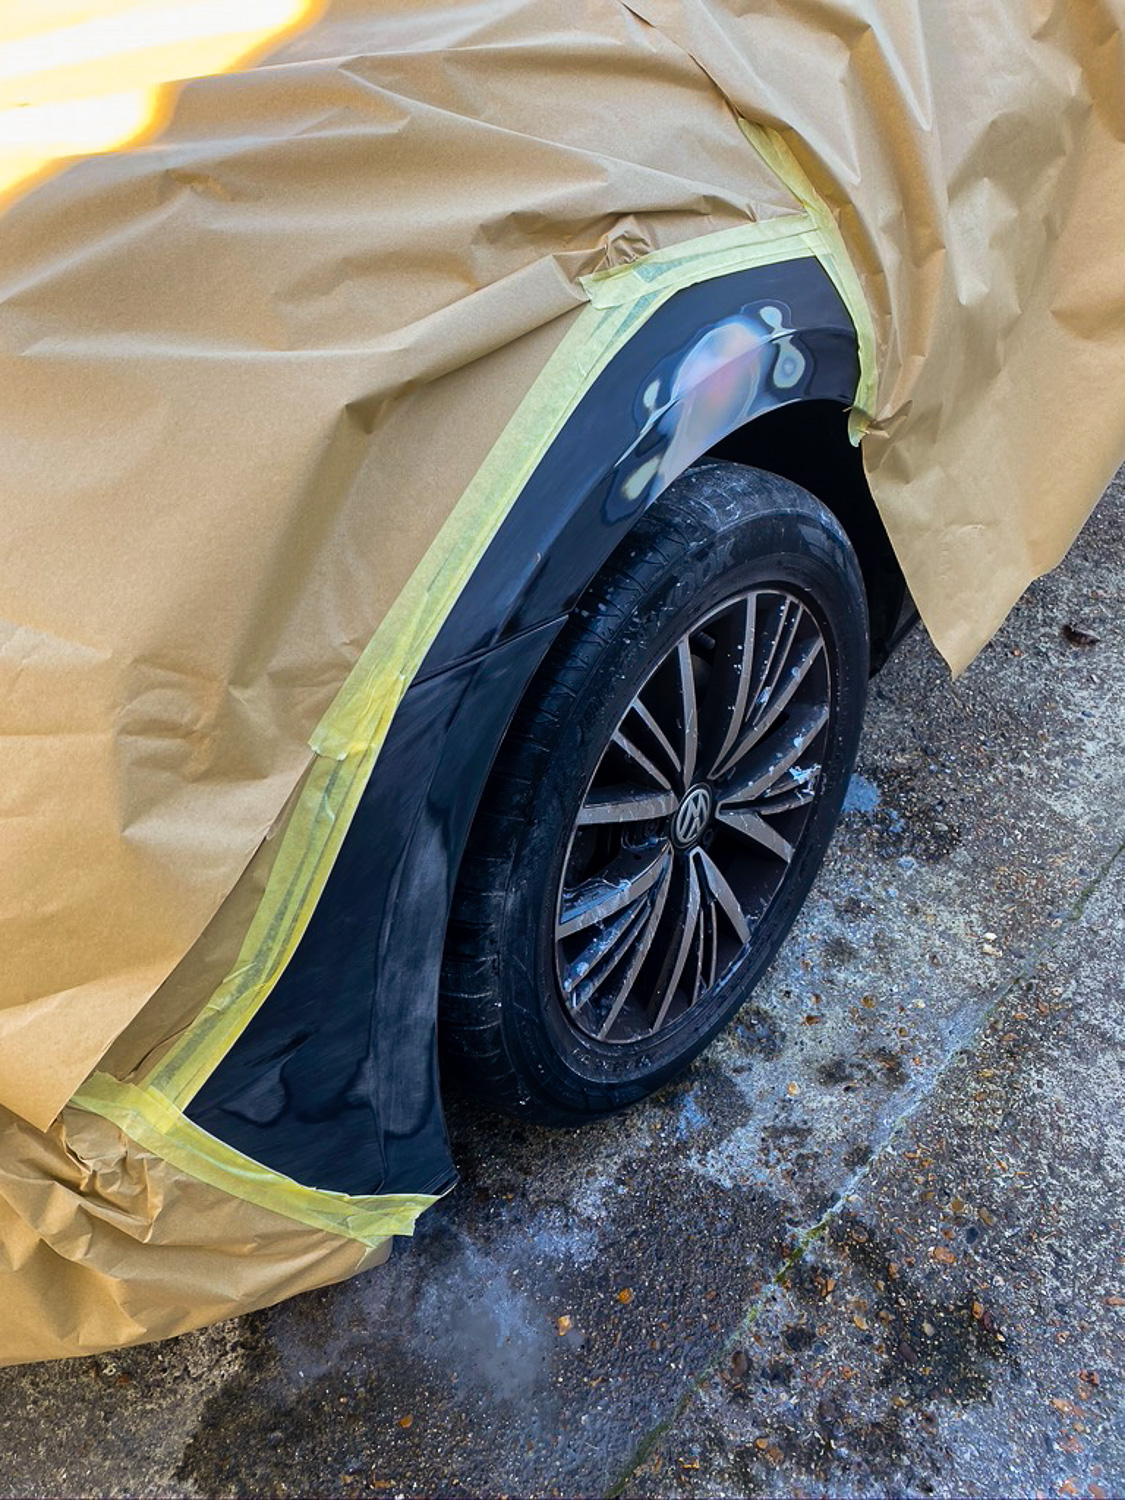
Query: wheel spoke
(646,718)
(799,791)
(582,979)
(765,642)
(785,751)
(719,887)
(787,633)
(771,709)
(641,949)
(730,706)
(688,710)
(666,990)
(623,882)
(711,932)
(755,828)
(766,646)
(697,948)
(621,805)
(639,758)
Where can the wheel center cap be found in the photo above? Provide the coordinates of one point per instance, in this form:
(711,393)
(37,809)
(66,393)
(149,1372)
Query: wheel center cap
(693,817)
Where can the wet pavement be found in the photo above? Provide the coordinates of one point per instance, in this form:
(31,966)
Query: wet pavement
(872,1244)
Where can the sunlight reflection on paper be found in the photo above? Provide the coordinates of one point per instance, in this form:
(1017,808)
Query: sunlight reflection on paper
(79,77)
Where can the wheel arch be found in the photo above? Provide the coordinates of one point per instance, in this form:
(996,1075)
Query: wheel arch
(808,442)
(375,940)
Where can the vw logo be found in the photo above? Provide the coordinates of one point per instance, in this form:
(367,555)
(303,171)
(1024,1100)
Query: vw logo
(693,816)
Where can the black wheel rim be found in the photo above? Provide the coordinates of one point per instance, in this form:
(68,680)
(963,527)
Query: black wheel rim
(692,819)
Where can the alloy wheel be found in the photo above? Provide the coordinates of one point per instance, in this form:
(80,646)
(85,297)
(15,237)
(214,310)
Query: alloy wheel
(692,819)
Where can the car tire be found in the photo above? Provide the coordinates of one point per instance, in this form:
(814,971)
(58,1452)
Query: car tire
(661,803)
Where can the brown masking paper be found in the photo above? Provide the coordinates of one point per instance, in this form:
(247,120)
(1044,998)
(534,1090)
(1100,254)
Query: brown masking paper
(974,157)
(252,354)
(105,1244)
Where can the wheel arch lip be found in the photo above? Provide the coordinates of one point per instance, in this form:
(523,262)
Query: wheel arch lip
(713,358)
(718,356)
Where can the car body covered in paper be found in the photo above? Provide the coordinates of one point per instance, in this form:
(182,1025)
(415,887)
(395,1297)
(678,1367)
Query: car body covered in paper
(328,388)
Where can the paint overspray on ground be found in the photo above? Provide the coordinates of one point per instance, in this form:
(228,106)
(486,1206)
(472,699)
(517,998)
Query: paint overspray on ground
(870,1244)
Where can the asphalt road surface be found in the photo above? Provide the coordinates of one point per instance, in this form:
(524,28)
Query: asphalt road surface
(872,1244)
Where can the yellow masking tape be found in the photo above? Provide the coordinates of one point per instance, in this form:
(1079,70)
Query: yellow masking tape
(786,238)
(308,851)
(833,256)
(160,1128)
